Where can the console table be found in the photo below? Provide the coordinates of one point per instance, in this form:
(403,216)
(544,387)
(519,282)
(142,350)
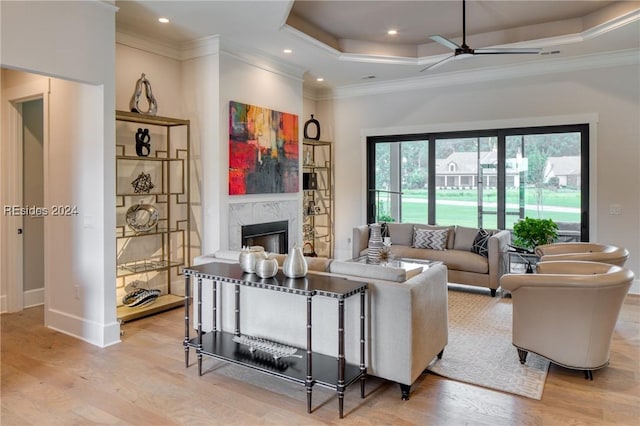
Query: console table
(297,365)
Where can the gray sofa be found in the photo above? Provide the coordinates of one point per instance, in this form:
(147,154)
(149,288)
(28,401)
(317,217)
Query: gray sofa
(464,265)
(406,319)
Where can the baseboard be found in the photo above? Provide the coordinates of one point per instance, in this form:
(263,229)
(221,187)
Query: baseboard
(32,298)
(97,334)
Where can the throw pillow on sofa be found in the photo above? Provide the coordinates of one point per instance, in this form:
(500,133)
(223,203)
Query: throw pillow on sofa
(481,243)
(450,232)
(465,236)
(435,239)
(400,233)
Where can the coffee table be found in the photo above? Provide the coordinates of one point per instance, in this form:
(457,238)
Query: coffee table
(412,267)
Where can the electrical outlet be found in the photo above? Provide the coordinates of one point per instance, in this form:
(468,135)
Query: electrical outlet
(615,209)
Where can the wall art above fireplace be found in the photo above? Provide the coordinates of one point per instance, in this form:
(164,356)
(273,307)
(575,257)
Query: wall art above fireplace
(263,150)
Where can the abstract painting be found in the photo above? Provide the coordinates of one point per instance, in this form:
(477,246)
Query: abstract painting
(263,150)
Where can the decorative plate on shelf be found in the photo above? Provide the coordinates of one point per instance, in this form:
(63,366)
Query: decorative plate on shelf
(142,217)
(140,297)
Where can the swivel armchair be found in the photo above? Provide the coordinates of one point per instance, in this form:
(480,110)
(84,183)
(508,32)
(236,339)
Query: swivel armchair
(567,311)
(593,252)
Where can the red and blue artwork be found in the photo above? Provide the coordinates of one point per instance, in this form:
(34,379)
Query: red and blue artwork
(263,150)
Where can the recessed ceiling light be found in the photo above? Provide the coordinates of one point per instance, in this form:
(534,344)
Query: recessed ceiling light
(392,32)
(319,79)
(163,20)
(287,50)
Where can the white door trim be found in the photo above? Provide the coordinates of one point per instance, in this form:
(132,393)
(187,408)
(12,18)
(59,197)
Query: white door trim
(11,259)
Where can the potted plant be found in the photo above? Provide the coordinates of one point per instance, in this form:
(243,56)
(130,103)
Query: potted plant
(529,233)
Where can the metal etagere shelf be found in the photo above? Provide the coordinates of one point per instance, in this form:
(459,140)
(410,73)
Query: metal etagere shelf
(318,197)
(157,256)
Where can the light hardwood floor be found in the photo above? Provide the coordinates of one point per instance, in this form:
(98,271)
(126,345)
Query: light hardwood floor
(49,378)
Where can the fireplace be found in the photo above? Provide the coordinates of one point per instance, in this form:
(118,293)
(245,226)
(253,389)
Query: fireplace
(273,236)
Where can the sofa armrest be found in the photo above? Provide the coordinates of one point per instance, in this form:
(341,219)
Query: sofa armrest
(498,244)
(360,240)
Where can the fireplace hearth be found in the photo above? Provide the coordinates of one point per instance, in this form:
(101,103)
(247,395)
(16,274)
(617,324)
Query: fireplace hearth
(273,236)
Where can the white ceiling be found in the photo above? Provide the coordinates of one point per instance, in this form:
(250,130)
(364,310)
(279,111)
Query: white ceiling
(345,41)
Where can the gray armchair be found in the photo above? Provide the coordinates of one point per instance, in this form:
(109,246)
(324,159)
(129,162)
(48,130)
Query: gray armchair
(567,311)
(592,252)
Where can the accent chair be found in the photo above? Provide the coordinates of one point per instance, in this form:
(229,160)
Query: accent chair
(593,252)
(567,311)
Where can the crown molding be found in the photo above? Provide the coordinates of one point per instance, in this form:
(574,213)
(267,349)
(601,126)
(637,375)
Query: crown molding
(588,34)
(515,71)
(310,93)
(260,60)
(198,48)
(611,25)
(146,44)
(207,46)
(310,40)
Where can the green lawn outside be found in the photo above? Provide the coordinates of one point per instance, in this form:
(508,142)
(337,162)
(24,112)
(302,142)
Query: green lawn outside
(559,198)
(466,215)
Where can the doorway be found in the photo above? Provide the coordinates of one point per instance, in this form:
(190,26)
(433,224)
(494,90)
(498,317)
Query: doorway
(33,202)
(25,99)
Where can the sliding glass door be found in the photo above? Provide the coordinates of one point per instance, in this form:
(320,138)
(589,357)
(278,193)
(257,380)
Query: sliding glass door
(488,178)
(466,181)
(546,178)
(399,193)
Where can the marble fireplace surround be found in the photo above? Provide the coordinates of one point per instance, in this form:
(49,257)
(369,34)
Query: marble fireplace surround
(252,213)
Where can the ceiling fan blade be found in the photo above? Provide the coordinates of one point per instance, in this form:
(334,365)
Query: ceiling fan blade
(512,51)
(445,42)
(439,63)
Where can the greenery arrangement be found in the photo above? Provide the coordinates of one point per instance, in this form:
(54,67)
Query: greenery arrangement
(530,233)
(385,218)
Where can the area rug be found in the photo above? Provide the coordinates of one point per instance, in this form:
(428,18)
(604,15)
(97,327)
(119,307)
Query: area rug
(480,352)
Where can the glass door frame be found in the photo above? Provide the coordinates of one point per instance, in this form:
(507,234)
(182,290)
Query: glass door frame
(501,135)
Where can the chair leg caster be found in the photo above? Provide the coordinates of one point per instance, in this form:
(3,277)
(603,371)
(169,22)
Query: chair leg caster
(522,354)
(493,292)
(588,375)
(405,390)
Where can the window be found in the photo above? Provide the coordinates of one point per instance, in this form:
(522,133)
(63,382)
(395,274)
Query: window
(488,178)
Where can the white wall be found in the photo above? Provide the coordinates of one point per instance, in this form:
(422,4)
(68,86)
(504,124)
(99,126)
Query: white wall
(250,84)
(199,88)
(200,96)
(612,95)
(163,73)
(74,41)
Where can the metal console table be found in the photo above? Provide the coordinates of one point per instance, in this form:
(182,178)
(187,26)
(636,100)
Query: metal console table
(297,365)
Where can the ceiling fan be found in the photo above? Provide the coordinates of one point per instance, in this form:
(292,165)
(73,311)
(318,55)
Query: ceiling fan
(462,50)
